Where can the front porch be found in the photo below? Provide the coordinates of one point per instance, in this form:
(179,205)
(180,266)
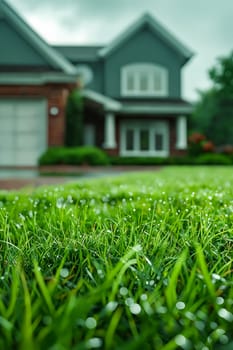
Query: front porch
(150,130)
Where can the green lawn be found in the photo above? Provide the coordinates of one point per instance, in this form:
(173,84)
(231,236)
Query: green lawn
(139,261)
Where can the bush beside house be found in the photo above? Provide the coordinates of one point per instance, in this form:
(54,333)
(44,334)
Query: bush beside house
(87,155)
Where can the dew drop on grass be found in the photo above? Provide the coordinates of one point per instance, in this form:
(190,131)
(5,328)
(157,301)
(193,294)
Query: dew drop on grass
(129,301)
(90,323)
(60,203)
(216,277)
(123,291)
(111,306)
(213,325)
(22,217)
(94,343)
(225,314)
(137,248)
(200,325)
(223,339)
(64,272)
(162,310)
(143,297)
(135,309)
(219,300)
(180,305)
(190,315)
(182,341)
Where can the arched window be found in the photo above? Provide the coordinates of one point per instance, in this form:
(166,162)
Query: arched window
(144,80)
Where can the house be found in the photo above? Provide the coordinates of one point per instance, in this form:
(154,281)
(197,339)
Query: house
(35,80)
(131,91)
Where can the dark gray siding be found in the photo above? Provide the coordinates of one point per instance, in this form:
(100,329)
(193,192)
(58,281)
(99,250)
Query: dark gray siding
(15,51)
(143,47)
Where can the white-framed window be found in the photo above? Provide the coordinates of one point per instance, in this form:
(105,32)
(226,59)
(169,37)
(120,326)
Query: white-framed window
(144,138)
(144,79)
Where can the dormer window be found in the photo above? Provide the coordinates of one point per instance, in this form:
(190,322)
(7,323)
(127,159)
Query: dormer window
(144,80)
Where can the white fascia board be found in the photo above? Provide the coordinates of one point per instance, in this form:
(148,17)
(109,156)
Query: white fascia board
(35,78)
(146,18)
(54,57)
(107,102)
(162,109)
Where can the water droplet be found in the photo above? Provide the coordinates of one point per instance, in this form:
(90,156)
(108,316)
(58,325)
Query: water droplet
(143,297)
(213,325)
(182,341)
(224,339)
(60,203)
(135,309)
(111,306)
(225,314)
(123,291)
(180,305)
(129,301)
(64,272)
(90,323)
(219,300)
(161,309)
(94,343)
(137,248)
(190,315)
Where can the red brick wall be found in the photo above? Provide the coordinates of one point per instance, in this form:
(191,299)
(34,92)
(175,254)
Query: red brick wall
(56,95)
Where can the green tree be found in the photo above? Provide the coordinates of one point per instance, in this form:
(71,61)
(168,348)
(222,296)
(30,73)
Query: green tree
(213,114)
(74,119)
(204,110)
(222,77)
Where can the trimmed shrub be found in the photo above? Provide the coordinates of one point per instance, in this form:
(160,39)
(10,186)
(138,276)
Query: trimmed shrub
(213,159)
(85,155)
(93,156)
(138,161)
(185,160)
(53,156)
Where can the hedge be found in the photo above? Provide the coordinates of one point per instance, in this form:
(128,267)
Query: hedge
(74,156)
(87,155)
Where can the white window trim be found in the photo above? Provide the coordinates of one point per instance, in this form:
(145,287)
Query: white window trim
(152,126)
(148,68)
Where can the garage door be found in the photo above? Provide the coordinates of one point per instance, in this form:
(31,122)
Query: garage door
(23,131)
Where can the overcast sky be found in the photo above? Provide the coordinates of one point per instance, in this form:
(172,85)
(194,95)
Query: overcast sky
(205,26)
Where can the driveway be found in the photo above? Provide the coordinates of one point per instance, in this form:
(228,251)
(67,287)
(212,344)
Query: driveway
(14,179)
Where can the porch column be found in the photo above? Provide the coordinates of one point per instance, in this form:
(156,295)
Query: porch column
(181,132)
(109,131)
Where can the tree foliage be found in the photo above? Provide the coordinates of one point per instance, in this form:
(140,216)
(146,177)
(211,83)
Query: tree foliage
(74,119)
(222,77)
(213,114)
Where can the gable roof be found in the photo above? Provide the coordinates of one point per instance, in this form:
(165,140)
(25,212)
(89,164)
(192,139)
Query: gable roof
(79,53)
(147,19)
(54,58)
